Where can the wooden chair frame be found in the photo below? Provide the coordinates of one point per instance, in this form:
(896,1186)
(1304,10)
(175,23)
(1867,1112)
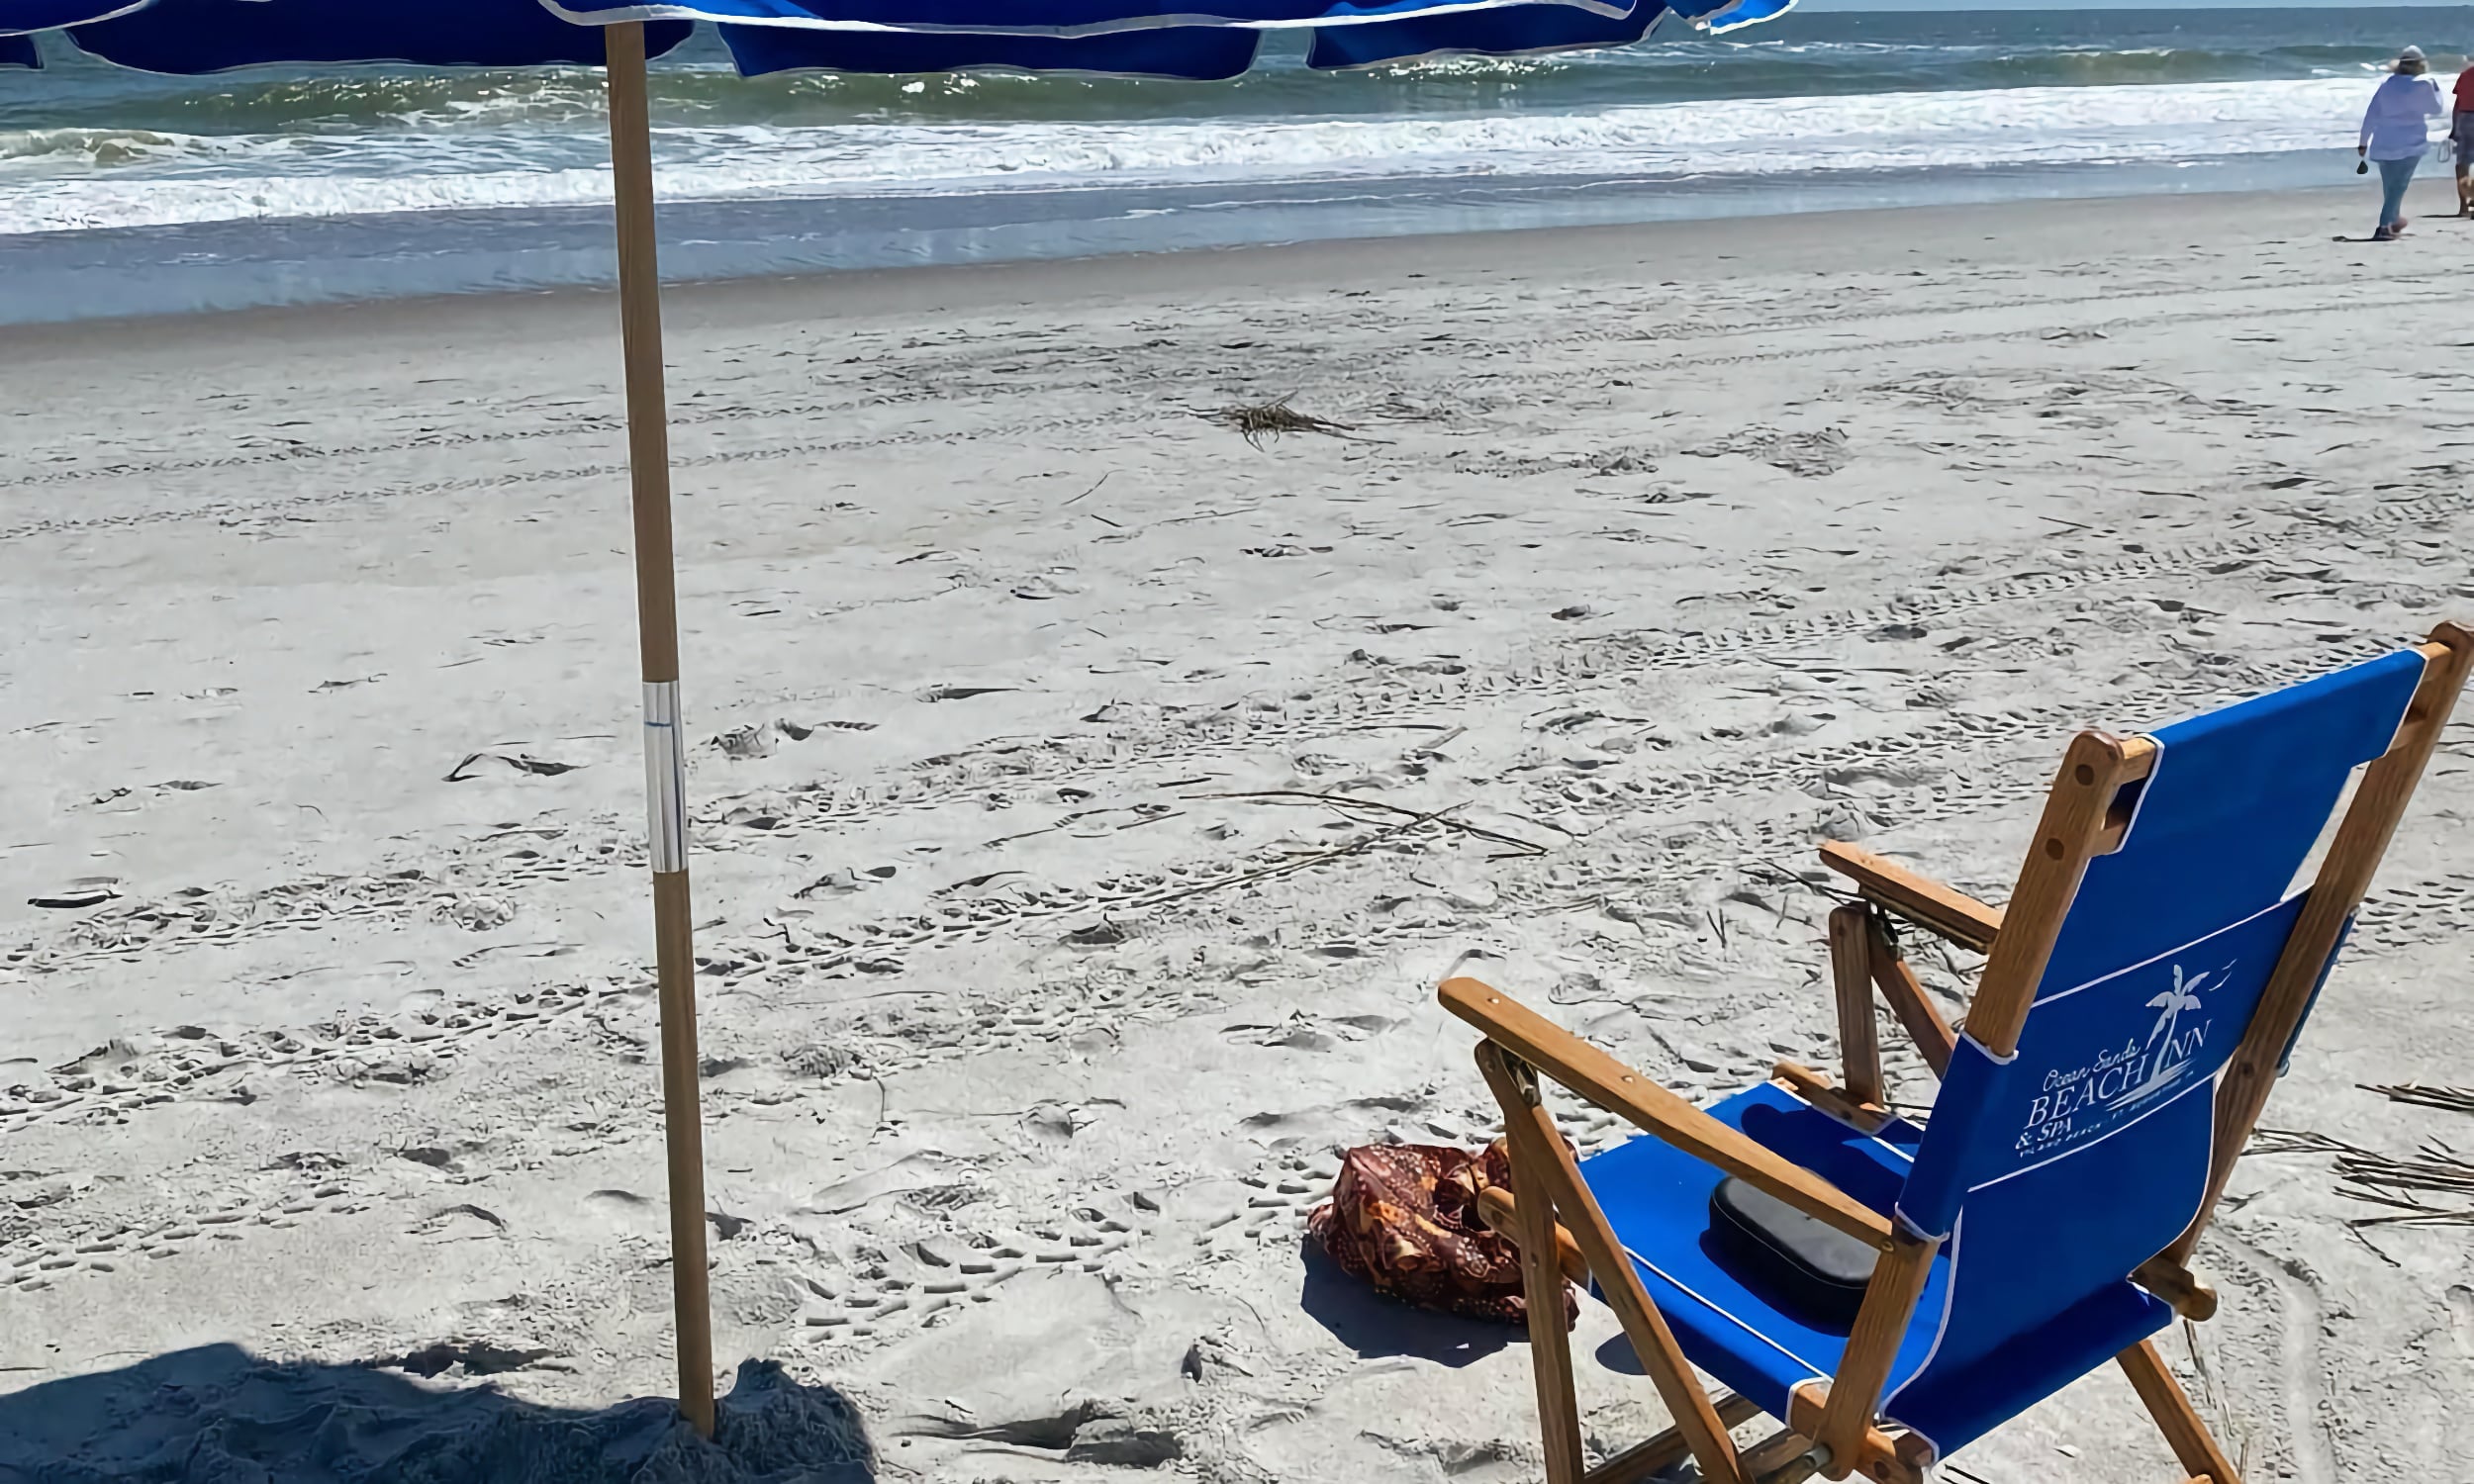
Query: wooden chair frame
(1834,1429)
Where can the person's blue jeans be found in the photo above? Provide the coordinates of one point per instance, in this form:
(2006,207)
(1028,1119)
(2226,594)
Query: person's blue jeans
(2395,176)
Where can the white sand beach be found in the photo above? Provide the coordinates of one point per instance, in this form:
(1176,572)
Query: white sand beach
(1038,997)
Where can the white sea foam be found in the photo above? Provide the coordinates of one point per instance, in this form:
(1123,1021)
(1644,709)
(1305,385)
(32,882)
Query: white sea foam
(65,180)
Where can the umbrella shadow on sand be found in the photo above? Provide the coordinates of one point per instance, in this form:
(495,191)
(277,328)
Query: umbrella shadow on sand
(221,1413)
(1375,1326)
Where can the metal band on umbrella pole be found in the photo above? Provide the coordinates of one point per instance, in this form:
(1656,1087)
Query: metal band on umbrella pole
(657,608)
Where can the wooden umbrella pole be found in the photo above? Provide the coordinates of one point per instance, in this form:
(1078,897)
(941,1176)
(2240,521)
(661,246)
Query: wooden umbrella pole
(665,769)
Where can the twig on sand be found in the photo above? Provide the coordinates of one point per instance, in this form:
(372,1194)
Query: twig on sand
(1519,846)
(2410,1212)
(2295,1142)
(2230,1423)
(2354,1230)
(1302,862)
(1269,419)
(522,762)
(1819,883)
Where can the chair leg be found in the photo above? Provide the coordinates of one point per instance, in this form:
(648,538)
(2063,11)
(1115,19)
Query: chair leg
(1784,1457)
(1851,971)
(1550,1341)
(1543,1171)
(2194,1446)
(1672,1447)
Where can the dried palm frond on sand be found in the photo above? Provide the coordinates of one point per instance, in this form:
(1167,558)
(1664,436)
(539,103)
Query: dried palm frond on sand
(2453,1099)
(2383,1180)
(1269,419)
(2293,1141)
(2379,1179)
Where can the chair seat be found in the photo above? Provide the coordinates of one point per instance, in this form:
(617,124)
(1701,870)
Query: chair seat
(1657,1199)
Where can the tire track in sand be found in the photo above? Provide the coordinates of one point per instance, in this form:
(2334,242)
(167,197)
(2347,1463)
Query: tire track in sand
(128,931)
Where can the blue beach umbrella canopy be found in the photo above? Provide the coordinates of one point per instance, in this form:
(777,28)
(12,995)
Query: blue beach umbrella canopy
(1206,40)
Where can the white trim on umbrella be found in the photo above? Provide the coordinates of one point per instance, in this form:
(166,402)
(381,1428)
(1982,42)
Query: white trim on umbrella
(108,15)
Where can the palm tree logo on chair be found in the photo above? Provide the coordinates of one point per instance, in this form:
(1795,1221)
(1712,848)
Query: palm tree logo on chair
(2170,1047)
(2182,996)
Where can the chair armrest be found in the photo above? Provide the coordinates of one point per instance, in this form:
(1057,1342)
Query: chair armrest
(1499,1211)
(2177,1285)
(1922,900)
(1838,1102)
(1609,1083)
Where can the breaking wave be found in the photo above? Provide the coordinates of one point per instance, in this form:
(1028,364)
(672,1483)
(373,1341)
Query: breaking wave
(139,178)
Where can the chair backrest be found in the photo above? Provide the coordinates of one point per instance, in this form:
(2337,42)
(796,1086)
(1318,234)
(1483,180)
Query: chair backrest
(2056,1172)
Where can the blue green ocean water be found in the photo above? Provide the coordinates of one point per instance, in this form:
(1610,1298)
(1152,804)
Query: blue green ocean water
(124,193)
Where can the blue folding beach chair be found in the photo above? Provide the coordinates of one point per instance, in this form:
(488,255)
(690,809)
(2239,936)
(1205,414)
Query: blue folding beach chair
(1888,1292)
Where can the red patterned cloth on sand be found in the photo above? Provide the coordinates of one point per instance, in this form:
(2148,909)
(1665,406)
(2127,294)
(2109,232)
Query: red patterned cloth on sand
(1404,1218)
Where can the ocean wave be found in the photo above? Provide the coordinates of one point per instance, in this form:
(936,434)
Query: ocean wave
(416,172)
(340,100)
(91,145)
(2100,67)
(697,87)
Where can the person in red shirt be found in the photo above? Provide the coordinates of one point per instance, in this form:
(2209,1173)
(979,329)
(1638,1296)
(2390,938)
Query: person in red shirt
(2461,138)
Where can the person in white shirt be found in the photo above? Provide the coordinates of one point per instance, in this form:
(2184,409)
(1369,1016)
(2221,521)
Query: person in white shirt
(2396,134)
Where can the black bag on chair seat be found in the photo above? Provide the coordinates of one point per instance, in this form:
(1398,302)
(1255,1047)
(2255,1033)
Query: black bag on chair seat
(1800,1263)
